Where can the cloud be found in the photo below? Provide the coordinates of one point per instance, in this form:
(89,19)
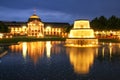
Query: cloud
(23,15)
(58,10)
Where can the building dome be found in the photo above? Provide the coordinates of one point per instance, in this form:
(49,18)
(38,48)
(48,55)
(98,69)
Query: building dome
(34,17)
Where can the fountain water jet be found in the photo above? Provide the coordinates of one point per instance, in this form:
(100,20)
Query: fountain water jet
(81,35)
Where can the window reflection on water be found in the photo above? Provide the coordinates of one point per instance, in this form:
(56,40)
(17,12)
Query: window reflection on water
(36,50)
(81,59)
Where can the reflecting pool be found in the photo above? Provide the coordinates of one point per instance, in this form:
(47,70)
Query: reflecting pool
(51,60)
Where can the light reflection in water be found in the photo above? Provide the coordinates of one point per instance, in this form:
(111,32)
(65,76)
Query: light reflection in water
(110,52)
(81,59)
(48,48)
(35,50)
(103,51)
(24,50)
(107,49)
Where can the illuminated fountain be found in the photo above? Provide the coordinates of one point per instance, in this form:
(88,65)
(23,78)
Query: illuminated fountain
(81,35)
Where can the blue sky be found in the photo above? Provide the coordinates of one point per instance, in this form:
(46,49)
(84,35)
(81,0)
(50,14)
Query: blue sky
(58,10)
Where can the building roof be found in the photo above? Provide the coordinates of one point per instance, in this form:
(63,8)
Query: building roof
(34,17)
(14,23)
(50,24)
(81,20)
(56,24)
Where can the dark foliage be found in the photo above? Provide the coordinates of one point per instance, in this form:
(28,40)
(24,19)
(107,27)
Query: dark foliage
(3,28)
(102,23)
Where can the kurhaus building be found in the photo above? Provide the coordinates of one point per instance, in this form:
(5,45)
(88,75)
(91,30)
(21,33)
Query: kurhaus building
(35,27)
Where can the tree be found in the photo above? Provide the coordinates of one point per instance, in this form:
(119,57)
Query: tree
(3,28)
(102,23)
(95,24)
(69,28)
(113,22)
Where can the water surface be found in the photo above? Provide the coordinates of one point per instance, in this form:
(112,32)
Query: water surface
(53,61)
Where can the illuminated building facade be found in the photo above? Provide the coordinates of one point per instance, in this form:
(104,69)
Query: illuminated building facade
(56,29)
(17,28)
(111,34)
(35,27)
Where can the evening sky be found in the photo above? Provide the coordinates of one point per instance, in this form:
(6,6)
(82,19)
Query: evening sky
(58,10)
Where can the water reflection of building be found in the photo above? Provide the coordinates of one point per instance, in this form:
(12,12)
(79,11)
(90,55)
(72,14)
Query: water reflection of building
(48,49)
(107,50)
(81,59)
(53,48)
(34,50)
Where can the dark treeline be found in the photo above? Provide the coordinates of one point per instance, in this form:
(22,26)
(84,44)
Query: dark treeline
(102,23)
(3,28)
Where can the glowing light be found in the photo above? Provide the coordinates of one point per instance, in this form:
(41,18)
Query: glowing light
(48,28)
(97,32)
(110,44)
(110,52)
(103,32)
(34,16)
(103,51)
(48,48)
(24,50)
(81,59)
(24,27)
(81,35)
(81,24)
(1,35)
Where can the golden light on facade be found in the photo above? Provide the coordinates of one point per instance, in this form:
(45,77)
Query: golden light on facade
(103,32)
(97,32)
(35,28)
(34,16)
(48,28)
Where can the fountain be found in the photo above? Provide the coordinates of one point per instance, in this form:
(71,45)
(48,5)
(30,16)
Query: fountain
(81,35)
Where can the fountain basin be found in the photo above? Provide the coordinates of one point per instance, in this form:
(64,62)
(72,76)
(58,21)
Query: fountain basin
(82,42)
